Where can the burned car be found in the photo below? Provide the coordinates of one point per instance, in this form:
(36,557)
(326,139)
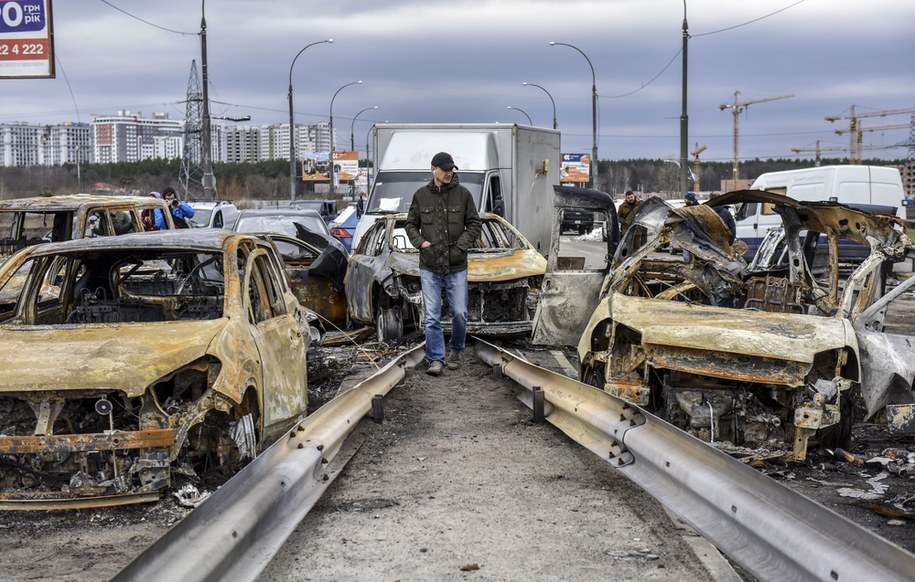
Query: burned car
(761,356)
(29,221)
(129,360)
(315,261)
(503,275)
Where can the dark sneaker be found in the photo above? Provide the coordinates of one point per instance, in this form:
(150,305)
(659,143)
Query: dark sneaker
(434,369)
(454,360)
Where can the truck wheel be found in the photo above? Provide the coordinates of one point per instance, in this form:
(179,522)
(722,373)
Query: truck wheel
(388,323)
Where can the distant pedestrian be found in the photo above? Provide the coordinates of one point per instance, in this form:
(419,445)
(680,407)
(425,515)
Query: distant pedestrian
(443,224)
(626,211)
(181,211)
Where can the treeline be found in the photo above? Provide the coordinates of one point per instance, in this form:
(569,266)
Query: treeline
(270,180)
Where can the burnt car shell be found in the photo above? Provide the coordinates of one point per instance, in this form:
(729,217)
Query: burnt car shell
(764,358)
(504,275)
(131,358)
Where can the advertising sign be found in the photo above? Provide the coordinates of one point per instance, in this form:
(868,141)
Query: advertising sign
(575,168)
(346,166)
(26,39)
(314,167)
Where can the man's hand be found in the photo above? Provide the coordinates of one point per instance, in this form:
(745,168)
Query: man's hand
(426,244)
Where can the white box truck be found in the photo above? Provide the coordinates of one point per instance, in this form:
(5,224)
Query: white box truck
(873,188)
(509,169)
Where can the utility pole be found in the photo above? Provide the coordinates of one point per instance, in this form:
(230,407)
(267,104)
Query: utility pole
(737,108)
(684,118)
(209,180)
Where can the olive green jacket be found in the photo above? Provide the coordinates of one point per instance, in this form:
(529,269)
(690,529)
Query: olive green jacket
(446,217)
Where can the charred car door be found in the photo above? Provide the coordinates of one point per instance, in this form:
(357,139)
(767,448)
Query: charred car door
(576,266)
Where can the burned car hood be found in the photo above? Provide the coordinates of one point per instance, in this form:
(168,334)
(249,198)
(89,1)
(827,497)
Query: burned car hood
(100,357)
(482,267)
(778,336)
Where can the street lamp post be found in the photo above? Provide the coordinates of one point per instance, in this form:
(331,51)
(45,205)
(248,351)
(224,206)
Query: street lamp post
(292,123)
(330,157)
(523,112)
(593,110)
(555,126)
(352,140)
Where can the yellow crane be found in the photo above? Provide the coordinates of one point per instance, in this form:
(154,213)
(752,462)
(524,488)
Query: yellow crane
(736,108)
(695,153)
(854,131)
(817,151)
(859,134)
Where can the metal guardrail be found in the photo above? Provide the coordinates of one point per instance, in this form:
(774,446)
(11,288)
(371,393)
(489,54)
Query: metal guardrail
(772,531)
(237,530)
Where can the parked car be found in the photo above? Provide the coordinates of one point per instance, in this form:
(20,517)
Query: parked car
(766,357)
(37,219)
(219,214)
(315,261)
(326,208)
(280,220)
(504,274)
(344,226)
(129,359)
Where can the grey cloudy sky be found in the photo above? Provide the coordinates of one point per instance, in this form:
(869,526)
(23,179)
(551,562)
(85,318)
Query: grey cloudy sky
(465,60)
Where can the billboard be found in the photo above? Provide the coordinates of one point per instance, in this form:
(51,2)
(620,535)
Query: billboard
(346,166)
(575,168)
(26,39)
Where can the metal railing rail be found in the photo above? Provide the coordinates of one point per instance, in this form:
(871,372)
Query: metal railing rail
(772,531)
(237,530)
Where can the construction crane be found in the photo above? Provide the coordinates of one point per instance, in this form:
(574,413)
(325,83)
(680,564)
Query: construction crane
(736,108)
(695,153)
(817,151)
(859,135)
(854,154)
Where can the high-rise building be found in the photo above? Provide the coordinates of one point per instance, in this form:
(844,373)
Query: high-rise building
(22,144)
(129,137)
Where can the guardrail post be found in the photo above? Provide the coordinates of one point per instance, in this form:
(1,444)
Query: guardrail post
(538,404)
(378,408)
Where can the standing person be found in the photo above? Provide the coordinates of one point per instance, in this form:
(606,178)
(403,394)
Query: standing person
(443,224)
(181,211)
(626,211)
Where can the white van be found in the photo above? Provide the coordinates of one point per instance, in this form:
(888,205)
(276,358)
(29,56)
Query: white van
(873,188)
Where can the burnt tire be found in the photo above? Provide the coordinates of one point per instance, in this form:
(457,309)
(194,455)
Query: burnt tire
(388,323)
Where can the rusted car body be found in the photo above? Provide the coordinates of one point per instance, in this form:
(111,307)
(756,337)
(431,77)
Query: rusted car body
(761,356)
(29,221)
(129,359)
(504,275)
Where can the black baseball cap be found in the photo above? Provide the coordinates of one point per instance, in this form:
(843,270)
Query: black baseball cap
(444,161)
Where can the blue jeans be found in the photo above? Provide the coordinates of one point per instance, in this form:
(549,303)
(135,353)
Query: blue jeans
(456,292)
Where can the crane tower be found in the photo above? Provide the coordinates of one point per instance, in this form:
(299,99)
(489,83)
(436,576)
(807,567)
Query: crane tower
(737,107)
(854,130)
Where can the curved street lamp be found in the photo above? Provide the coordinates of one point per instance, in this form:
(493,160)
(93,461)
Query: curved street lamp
(555,126)
(292,124)
(523,112)
(330,157)
(593,109)
(352,140)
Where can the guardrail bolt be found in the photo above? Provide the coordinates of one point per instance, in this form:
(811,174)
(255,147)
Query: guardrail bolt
(538,404)
(378,408)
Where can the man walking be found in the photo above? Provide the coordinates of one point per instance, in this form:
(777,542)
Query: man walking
(626,211)
(443,224)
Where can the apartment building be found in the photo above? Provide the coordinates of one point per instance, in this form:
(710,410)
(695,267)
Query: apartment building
(129,137)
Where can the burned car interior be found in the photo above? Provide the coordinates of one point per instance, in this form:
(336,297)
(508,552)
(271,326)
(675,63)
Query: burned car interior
(165,347)
(757,356)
